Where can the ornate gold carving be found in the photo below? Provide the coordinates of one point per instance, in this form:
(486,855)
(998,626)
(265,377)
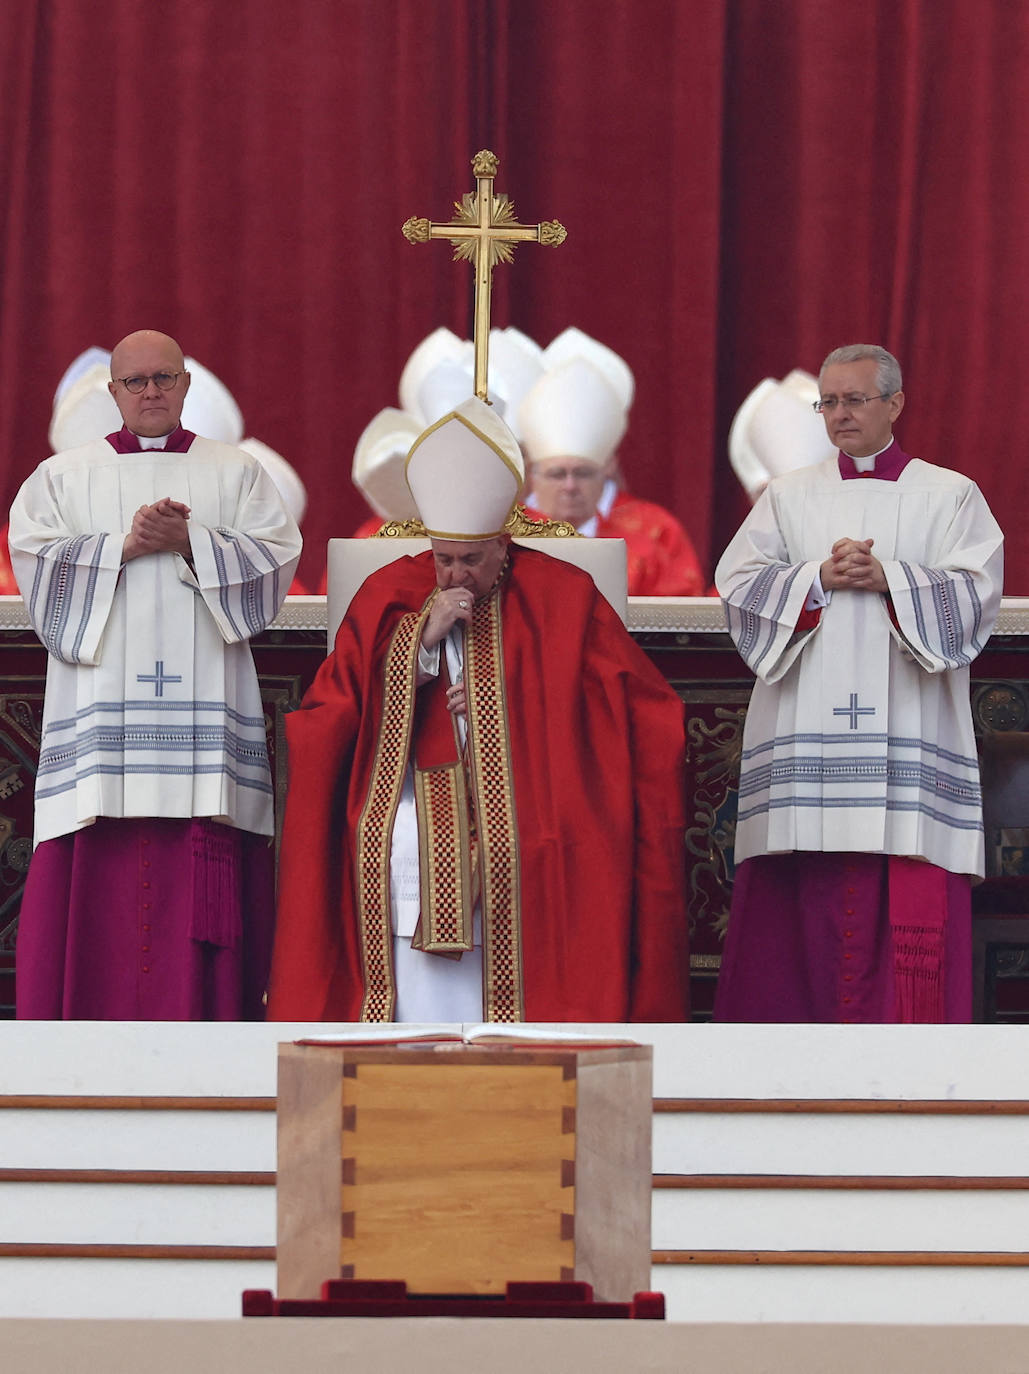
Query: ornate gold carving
(723,743)
(401,529)
(714,751)
(25,716)
(502,216)
(552,233)
(485,164)
(18,853)
(10,782)
(1000,706)
(417,230)
(519,524)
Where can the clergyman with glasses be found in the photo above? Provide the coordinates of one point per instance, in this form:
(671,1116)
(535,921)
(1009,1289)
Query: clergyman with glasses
(571,422)
(858,591)
(147,560)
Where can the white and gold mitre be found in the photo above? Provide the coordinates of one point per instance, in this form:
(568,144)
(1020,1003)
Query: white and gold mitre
(379,461)
(776,430)
(573,411)
(465,473)
(574,343)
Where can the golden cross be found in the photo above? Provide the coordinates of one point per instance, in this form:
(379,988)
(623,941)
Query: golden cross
(483,232)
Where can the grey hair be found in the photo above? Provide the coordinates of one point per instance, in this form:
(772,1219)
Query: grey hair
(887,370)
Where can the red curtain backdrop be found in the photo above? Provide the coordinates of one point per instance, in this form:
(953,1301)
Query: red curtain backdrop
(746,184)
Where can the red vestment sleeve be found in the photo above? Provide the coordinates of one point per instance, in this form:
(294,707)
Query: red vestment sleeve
(316,967)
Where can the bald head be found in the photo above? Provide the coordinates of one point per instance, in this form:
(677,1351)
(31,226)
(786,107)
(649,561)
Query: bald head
(145,341)
(152,410)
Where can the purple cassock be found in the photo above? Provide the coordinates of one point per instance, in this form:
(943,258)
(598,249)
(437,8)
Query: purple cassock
(147,920)
(816,937)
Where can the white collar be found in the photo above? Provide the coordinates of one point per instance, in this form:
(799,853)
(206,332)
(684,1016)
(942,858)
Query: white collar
(867,463)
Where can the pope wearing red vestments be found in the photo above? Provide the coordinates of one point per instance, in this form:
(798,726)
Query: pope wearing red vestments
(550,827)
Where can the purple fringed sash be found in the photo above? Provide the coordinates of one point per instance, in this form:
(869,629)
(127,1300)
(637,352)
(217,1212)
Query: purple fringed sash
(216,885)
(918,918)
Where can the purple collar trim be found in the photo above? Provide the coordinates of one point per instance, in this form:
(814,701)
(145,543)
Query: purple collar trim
(124,441)
(888,465)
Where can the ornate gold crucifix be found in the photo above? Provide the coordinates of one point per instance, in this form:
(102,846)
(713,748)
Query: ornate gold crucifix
(483,232)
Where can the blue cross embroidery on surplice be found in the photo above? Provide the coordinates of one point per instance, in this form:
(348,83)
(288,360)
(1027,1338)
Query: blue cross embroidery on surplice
(853,710)
(158,677)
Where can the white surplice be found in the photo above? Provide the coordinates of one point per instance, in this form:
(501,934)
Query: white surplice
(859,736)
(152,702)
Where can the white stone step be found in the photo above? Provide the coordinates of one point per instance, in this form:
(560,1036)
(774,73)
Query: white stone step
(793,1143)
(202,1061)
(75,1139)
(128,1288)
(135,1214)
(821,1220)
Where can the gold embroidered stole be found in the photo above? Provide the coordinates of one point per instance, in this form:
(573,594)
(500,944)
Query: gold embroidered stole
(375,826)
(448,863)
(446,843)
(490,774)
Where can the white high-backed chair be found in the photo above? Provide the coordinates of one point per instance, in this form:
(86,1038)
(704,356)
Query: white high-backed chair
(350,561)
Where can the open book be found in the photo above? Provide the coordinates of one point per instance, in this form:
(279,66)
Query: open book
(481,1033)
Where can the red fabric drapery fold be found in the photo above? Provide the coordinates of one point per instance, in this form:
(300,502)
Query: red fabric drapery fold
(746,183)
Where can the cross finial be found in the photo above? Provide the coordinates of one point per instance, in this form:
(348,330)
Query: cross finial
(483,232)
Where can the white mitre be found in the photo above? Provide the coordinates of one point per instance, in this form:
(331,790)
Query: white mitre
(443,388)
(465,473)
(441,346)
(573,411)
(574,343)
(85,411)
(78,367)
(210,408)
(283,474)
(440,374)
(379,460)
(515,366)
(776,430)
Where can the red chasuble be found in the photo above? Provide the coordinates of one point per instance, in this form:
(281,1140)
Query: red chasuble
(8,585)
(661,560)
(575,775)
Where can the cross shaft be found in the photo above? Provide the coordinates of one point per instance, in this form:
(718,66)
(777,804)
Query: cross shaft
(484,231)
